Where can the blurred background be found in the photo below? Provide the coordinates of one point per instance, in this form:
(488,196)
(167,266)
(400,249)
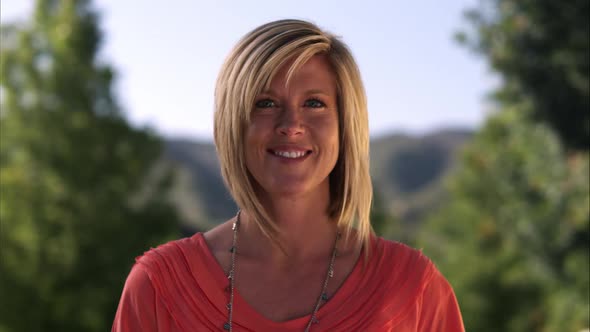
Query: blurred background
(480,126)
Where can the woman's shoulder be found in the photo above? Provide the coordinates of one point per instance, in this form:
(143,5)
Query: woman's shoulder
(423,286)
(402,264)
(198,244)
(408,277)
(400,253)
(177,279)
(175,252)
(179,264)
(411,266)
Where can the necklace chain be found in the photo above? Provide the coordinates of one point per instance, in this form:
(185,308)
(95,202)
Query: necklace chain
(232,276)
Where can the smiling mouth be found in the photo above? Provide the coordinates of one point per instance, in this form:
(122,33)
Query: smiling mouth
(290,154)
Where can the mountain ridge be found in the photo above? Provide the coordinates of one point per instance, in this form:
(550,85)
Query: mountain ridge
(408,173)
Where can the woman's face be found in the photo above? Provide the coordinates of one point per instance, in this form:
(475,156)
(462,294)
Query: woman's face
(291,143)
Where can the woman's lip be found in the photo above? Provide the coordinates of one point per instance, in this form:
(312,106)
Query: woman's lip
(289,148)
(290,156)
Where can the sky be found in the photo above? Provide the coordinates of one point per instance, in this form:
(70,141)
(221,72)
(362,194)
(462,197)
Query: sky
(417,78)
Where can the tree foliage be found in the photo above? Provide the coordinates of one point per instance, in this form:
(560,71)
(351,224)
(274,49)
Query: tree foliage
(71,168)
(541,49)
(382,221)
(514,236)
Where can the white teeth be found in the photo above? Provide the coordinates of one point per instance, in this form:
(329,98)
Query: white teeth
(290,154)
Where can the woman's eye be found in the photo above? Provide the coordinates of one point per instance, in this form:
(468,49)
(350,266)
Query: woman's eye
(265,103)
(314,103)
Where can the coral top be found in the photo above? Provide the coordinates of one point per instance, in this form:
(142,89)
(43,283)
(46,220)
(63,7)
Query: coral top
(180,286)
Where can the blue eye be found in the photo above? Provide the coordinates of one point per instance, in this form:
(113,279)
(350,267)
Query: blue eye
(314,103)
(265,103)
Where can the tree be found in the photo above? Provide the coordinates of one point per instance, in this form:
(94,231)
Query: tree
(513,238)
(541,50)
(71,173)
(382,221)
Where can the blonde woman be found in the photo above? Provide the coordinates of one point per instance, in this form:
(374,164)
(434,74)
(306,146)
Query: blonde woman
(291,132)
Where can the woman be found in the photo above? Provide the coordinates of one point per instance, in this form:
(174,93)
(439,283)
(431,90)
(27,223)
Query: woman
(291,132)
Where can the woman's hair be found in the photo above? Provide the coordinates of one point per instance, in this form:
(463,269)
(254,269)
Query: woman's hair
(247,71)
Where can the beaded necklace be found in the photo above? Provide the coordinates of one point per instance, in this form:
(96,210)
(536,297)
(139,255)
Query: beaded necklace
(228,326)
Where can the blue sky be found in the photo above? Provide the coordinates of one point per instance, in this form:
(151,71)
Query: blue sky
(167,56)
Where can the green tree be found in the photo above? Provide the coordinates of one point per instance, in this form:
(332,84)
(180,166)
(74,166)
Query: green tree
(513,238)
(71,170)
(541,50)
(385,223)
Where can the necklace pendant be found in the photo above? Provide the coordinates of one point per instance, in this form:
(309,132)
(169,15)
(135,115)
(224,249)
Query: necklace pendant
(226,326)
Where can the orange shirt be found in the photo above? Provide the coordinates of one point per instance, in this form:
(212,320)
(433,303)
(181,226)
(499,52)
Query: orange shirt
(180,286)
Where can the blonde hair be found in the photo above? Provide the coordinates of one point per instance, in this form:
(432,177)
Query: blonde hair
(247,71)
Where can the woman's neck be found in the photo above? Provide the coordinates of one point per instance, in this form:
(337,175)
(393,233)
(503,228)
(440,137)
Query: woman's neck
(306,233)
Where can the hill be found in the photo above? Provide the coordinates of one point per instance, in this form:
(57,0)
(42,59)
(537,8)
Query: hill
(408,174)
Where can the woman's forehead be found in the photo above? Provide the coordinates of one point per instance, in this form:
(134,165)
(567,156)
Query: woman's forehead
(315,73)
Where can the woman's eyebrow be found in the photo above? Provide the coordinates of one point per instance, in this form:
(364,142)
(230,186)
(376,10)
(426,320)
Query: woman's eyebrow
(271,92)
(316,91)
(267,92)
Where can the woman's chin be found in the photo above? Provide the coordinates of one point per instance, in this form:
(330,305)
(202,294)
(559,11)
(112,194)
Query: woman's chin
(297,189)
(288,191)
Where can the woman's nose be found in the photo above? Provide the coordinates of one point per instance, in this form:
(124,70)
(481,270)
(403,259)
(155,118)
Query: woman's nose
(290,122)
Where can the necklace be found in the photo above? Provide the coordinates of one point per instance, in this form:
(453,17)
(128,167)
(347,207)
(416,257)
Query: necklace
(232,276)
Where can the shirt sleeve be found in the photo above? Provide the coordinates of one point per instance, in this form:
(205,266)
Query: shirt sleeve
(137,307)
(439,309)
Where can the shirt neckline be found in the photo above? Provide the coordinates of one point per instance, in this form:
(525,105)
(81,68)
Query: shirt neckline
(247,316)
